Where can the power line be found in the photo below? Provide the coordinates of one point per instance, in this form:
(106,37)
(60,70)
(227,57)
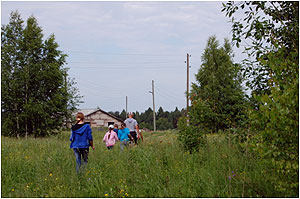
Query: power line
(133,67)
(96,86)
(168,97)
(132,63)
(126,54)
(168,92)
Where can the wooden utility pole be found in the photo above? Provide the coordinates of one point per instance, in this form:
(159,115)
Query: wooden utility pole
(154,125)
(126,106)
(187,82)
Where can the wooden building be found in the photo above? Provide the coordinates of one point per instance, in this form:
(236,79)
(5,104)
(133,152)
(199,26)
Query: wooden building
(99,118)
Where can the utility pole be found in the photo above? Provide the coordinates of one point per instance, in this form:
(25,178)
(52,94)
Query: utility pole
(187,82)
(154,125)
(126,106)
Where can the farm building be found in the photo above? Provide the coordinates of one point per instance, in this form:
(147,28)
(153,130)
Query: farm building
(99,118)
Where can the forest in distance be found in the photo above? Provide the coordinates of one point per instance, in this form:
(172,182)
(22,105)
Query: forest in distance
(164,119)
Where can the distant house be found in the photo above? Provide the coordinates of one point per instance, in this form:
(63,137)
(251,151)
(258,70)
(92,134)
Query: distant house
(99,118)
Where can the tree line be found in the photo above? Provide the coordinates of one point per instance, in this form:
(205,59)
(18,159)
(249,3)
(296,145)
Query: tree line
(164,119)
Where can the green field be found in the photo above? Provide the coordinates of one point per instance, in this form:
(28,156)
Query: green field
(158,167)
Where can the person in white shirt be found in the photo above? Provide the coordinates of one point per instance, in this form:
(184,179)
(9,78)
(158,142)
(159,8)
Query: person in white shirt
(133,127)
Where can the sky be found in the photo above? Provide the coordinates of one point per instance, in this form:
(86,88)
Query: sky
(115,49)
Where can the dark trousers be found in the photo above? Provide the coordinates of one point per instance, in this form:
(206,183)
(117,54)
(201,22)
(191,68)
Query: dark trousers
(133,134)
(110,147)
(81,153)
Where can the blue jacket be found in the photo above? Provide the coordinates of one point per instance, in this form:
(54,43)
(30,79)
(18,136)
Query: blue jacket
(116,130)
(123,134)
(81,137)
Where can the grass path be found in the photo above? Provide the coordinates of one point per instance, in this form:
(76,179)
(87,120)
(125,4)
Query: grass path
(45,167)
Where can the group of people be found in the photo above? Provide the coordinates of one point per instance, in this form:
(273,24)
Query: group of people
(81,137)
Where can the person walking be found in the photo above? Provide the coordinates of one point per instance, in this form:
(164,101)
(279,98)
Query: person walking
(116,128)
(110,137)
(123,135)
(133,127)
(81,139)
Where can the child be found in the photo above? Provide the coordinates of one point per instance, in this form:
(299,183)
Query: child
(140,135)
(81,139)
(116,129)
(123,135)
(110,137)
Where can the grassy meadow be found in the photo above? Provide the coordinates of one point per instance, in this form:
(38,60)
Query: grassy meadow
(158,167)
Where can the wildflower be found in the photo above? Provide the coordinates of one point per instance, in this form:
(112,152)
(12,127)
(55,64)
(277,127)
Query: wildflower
(229,177)
(233,174)
(12,190)
(50,174)
(126,194)
(106,195)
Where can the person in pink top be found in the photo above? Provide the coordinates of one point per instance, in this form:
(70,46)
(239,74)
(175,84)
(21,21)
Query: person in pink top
(110,137)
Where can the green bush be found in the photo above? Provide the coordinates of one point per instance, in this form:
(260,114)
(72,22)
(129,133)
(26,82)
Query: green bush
(191,137)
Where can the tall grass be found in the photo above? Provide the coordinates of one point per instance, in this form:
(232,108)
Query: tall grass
(45,167)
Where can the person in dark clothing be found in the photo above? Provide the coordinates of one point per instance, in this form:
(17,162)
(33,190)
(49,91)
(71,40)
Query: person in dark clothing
(81,139)
(116,128)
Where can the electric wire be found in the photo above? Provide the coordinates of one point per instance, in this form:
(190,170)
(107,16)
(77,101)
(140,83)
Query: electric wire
(126,68)
(122,54)
(133,63)
(168,93)
(105,88)
(167,97)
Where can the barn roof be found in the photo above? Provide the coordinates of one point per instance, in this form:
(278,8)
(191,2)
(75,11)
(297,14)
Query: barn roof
(88,112)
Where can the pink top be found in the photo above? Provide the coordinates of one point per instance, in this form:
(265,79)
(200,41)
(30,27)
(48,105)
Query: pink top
(112,138)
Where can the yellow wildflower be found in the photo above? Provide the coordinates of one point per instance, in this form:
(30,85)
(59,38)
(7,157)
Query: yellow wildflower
(12,190)
(105,194)
(50,174)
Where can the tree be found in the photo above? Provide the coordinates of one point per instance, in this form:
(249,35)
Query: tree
(273,28)
(160,113)
(163,124)
(174,116)
(217,99)
(37,95)
(218,90)
(123,115)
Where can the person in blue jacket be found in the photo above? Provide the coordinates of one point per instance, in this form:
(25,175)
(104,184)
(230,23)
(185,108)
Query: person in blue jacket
(123,135)
(116,128)
(81,139)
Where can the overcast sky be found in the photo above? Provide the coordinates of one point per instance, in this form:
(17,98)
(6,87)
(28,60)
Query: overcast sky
(116,49)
